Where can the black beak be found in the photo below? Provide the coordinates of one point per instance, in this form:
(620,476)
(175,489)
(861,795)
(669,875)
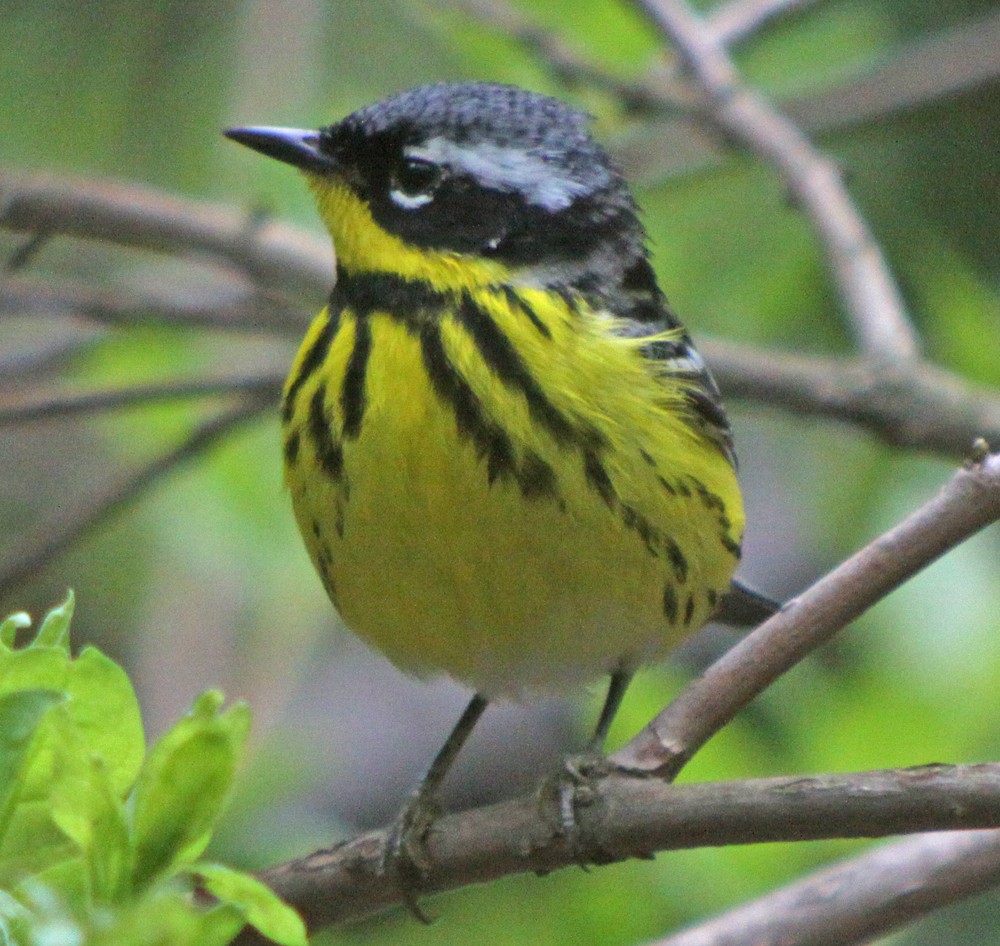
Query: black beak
(292,145)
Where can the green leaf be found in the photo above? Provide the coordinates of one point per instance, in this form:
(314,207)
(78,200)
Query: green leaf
(73,855)
(32,843)
(218,926)
(260,905)
(14,919)
(54,631)
(168,918)
(10,627)
(89,811)
(34,668)
(184,785)
(61,888)
(20,716)
(104,707)
(101,701)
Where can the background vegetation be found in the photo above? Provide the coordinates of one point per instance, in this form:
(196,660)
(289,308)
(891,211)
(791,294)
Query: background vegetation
(202,581)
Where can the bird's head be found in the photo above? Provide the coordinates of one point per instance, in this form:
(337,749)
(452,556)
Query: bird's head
(465,183)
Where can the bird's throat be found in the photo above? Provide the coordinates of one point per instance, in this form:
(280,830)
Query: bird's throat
(362,246)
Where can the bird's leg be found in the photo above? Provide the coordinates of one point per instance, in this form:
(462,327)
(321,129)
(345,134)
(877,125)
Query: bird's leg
(404,850)
(620,680)
(579,771)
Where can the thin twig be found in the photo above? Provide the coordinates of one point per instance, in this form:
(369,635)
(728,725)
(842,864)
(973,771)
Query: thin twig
(34,552)
(967,503)
(738,20)
(927,69)
(861,898)
(39,355)
(271,253)
(862,276)
(655,93)
(626,817)
(918,407)
(28,250)
(230,309)
(69,405)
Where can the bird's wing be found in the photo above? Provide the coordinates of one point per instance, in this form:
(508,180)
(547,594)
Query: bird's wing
(641,309)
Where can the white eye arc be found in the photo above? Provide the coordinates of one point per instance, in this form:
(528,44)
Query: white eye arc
(409,201)
(414,182)
(511,169)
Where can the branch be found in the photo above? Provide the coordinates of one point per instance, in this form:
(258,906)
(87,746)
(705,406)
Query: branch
(738,20)
(966,56)
(630,814)
(631,817)
(272,254)
(38,355)
(859,270)
(967,503)
(916,407)
(654,93)
(953,60)
(266,386)
(946,414)
(69,524)
(914,73)
(232,309)
(862,898)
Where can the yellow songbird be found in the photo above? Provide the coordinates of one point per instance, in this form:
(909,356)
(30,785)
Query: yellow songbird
(507,459)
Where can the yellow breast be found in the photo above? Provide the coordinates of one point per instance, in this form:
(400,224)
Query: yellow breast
(504,492)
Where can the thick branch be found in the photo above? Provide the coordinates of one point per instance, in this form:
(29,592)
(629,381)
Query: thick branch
(632,815)
(859,899)
(969,502)
(625,816)
(859,270)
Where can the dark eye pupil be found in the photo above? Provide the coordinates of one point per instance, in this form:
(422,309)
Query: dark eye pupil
(414,176)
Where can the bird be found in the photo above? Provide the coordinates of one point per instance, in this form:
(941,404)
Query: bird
(506,457)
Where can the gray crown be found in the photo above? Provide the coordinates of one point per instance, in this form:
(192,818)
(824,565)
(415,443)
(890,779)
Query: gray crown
(506,137)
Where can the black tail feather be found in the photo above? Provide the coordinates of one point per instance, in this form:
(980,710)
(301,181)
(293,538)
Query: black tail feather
(742,606)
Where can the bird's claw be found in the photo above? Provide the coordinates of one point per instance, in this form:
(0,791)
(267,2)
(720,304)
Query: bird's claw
(405,851)
(571,789)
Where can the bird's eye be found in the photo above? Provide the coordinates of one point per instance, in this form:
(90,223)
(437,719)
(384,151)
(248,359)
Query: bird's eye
(414,182)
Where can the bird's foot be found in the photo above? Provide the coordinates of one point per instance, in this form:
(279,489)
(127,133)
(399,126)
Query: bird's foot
(405,853)
(573,788)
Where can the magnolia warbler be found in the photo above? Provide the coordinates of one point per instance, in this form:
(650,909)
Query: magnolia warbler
(507,459)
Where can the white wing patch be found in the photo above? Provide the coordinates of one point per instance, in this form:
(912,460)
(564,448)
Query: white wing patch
(688,363)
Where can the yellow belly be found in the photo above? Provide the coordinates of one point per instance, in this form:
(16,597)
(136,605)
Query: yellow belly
(504,586)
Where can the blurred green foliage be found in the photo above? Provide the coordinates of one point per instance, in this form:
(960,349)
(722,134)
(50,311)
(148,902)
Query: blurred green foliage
(205,583)
(99,841)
